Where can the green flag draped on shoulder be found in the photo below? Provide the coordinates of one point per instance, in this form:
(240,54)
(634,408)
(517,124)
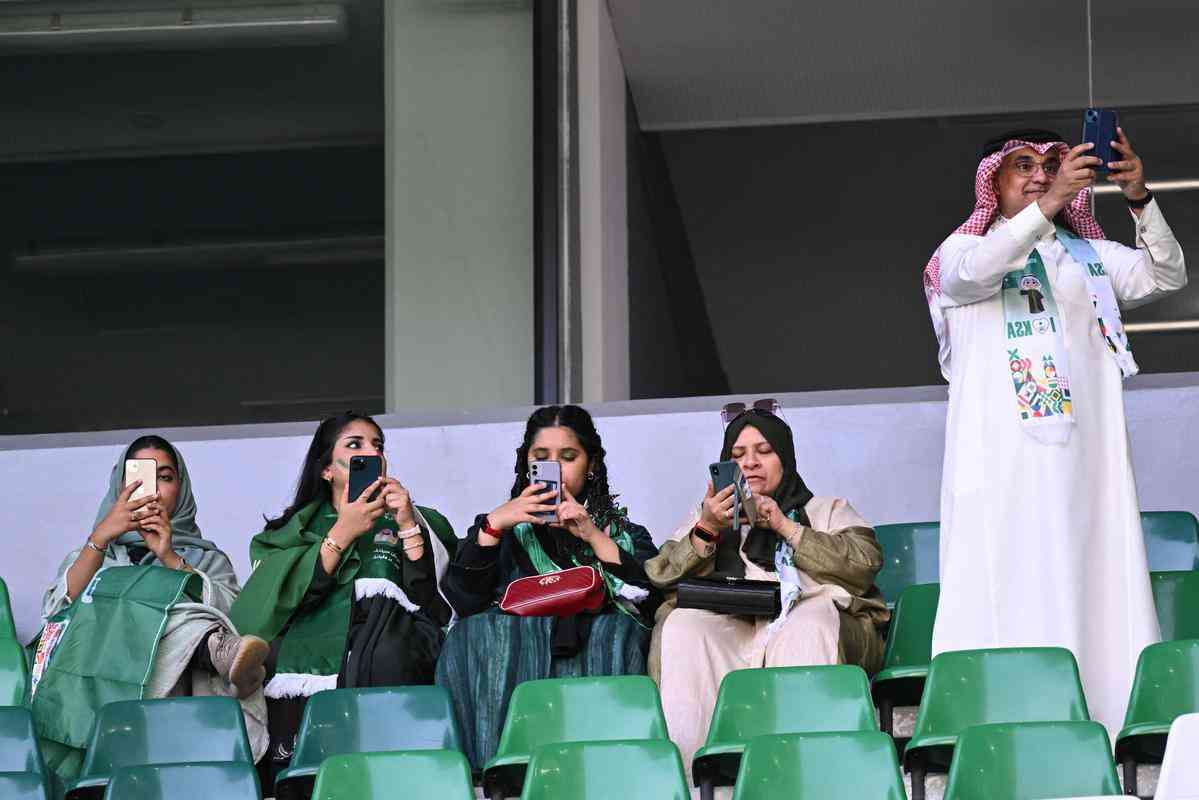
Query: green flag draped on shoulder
(284,562)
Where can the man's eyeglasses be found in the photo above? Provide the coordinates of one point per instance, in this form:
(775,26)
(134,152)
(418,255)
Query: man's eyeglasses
(1026,167)
(767,405)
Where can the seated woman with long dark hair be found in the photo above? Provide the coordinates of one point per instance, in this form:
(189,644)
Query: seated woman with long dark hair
(489,652)
(346,591)
(148,585)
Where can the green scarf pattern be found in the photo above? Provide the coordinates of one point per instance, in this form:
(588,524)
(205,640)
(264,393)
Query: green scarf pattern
(283,564)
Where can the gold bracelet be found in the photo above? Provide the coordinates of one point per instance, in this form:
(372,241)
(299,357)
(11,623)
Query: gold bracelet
(332,545)
(94,546)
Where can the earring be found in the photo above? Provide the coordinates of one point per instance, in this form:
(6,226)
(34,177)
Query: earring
(590,476)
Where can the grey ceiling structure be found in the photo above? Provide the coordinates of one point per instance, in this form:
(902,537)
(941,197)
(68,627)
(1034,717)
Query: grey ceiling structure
(725,63)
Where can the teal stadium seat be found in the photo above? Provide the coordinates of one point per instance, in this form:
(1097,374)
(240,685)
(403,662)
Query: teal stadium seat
(133,733)
(911,555)
(340,721)
(233,780)
(22,773)
(1171,540)
(8,629)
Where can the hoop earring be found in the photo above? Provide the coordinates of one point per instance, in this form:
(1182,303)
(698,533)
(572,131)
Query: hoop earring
(590,476)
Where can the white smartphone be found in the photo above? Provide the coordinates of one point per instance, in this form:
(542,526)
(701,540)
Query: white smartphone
(144,470)
(548,473)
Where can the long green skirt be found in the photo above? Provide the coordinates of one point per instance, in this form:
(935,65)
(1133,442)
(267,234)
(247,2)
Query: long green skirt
(485,656)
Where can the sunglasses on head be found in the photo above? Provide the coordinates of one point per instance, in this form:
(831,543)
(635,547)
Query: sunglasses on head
(767,405)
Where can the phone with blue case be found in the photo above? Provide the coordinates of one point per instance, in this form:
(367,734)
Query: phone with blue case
(1099,129)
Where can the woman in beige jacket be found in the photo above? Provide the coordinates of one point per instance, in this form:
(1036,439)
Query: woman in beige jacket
(820,551)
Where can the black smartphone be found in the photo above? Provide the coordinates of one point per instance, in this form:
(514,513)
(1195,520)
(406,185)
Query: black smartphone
(364,470)
(728,473)
(548,473)
(1099,129)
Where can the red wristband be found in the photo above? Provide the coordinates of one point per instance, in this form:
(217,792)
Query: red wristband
(705,535)
(490,531)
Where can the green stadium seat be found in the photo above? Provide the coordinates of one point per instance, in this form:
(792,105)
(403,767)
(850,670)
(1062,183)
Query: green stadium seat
(773,700)
(1166,686)
(976,687)
(134,733)
(1014,761)
(559,710)
(1176,595)
(909,651)
(14,673)
(22,774)
(8,628)
(817,766)
(439,774)
(911,555)
(233,780)
(1171,540)
(23,786)
(339,721)
(644,769)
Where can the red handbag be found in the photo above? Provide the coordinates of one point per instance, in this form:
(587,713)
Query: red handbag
(555,594)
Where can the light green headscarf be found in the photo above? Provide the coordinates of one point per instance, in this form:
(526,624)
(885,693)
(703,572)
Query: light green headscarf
(184,530)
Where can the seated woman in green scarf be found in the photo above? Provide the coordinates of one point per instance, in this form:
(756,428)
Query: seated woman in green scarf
(146,564)
(489,652)
(345,591)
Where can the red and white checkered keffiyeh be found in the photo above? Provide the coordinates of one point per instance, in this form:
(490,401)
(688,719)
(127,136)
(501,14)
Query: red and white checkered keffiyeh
(986,208)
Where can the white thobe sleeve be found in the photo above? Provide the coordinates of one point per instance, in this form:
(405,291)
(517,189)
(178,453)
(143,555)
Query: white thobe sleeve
(972,267)
(1153,269)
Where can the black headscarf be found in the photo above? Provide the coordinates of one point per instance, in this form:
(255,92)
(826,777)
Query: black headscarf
(791,495)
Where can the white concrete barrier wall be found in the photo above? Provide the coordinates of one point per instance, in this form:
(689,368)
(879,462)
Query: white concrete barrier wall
(882,449)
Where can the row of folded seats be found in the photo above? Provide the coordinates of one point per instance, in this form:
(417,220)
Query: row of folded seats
(1008,723)
(774,733)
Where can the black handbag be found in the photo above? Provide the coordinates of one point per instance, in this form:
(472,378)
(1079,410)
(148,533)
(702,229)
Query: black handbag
(731,596)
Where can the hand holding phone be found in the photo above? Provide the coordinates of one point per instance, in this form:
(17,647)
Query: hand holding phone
(364,471)
(527,506)
(716,510)
(549,474)
(144,470)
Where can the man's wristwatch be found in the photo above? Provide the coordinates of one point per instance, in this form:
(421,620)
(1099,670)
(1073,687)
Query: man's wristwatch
(1144,201)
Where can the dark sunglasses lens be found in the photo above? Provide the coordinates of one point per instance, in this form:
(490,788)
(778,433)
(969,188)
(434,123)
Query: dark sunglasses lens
(731,411)
(767,404)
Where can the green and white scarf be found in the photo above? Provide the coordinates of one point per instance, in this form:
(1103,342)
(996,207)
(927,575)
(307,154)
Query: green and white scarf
(1034,348)
(283,564)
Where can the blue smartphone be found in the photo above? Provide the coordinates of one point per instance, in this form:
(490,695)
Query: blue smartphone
(548,473)
(1099,129)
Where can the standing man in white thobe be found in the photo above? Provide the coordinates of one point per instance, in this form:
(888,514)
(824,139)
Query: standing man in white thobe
(1041,541)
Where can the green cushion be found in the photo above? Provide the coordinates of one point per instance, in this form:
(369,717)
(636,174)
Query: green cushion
(818,766)
(1166,685)
(911,555)
(228,781)
(440,774)
(630,770)
(1176,597)
(975,687)
(166,731)
(371,720)
(1008,761)
(558,710)
(758,702)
